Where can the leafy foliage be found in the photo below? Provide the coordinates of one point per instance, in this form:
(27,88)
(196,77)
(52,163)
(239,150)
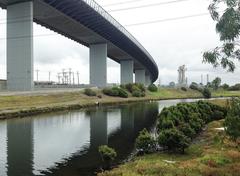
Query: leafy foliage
(145,142)
(107,154)
(115,92)
(232,122)
(216,83)
(195,86)
(173,139)
(90,92)
(177,125)
(184,89)
(228,27)
(234,87)
(152,88)
(206,93)
(136,89)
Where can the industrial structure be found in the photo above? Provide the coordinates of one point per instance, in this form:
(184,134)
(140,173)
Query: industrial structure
(182,79)
(83,21)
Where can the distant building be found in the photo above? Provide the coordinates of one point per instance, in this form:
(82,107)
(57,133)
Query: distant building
(182,79)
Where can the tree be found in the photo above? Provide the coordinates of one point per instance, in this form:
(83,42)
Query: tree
(225,86)
(216,83)
(206,93)
(232,122)
(228,27)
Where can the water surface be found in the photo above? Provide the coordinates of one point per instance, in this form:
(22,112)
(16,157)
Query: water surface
(66,143)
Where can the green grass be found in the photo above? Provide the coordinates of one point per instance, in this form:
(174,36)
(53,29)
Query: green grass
(204,157)
(18,103)
(225,93)
(175,93)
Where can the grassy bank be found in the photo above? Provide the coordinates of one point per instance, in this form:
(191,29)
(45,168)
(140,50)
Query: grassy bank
(211,154)
(31,104)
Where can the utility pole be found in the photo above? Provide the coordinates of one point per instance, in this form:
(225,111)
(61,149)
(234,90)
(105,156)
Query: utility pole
(63,76)
(37,75)
(207,78)
(78,77)
(70,78)
(73,79)
(59,77)
(49,76)
(202,79)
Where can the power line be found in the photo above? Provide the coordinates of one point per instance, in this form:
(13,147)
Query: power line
(128,25)
(120,3)
(147,5)
(168,19)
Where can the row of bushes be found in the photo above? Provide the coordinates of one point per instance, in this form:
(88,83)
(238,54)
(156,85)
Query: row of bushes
(115,92)
(235,87)
(136,89)
(178,125)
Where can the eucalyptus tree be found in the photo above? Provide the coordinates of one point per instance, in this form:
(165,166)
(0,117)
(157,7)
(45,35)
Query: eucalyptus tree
(228,28)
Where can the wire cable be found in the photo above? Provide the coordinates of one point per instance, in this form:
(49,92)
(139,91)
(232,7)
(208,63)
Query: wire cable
(167,19)
(147,5)
(127,25)
(121,3)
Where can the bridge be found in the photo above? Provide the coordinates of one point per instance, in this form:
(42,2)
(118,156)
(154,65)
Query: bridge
(83,21)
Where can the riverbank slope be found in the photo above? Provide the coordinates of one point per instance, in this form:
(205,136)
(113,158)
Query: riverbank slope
(26,104)
(212,153)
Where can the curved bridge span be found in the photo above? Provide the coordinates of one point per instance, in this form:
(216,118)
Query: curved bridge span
(83,21)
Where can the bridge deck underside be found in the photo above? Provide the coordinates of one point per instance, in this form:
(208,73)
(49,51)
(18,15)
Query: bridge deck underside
(81,23)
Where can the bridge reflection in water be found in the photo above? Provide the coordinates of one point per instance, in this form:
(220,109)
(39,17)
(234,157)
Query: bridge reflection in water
(67,143)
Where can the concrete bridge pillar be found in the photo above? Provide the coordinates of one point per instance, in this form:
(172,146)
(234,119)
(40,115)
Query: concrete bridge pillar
(20,46)
(140,76)
(126,71)
(98,65)
(147,80)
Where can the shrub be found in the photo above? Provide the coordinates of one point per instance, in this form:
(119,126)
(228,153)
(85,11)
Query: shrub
(141,87)
(217,115)
(115,92)
(184,121)
(194,86)
(173,139)
(184,89)
(122,93)
(232,122)
(187,130)
(89,92)
(206,93)
(138,93)
(107,154)
(145,142)
(152,88)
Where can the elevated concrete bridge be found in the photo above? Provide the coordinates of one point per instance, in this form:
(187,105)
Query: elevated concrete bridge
(83,21)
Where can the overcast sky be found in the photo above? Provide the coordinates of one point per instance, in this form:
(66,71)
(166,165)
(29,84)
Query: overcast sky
(171,42)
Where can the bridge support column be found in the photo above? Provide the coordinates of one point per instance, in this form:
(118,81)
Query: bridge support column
(147,80)
(126,71)
(20,46)
(98,65)
(140,76)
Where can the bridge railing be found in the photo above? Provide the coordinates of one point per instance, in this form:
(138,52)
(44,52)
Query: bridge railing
(108,17)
